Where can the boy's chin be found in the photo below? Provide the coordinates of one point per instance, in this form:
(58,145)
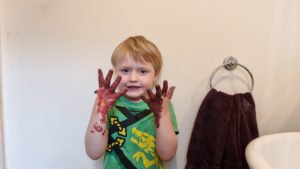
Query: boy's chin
(133,98)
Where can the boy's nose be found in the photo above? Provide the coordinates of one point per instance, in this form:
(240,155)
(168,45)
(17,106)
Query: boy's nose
(133,77)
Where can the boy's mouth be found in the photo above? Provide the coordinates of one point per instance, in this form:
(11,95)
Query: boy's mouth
(133,87)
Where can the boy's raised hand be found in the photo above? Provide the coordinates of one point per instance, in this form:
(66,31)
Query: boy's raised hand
(159,102)
(106,93)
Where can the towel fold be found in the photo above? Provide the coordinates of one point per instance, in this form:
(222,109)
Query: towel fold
(224,125)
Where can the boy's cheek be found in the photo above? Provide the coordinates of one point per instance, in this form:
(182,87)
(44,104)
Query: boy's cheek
(122,84)
(118,73)
(123,81)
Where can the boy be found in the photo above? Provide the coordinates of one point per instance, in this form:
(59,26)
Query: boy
(134,126)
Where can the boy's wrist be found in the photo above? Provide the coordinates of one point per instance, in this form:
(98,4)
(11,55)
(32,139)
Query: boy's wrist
(102,113)
(103,109)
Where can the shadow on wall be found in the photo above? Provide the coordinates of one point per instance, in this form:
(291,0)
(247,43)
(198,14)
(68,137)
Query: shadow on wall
(1,136)
(292,122)
(1,111)
(187,122)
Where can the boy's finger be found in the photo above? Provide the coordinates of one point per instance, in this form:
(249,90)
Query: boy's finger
(115,84)
(165,88)
(122,92)
(145,99)
(150,93)
(158,91)
(170,92)
(108,78)
(100,78)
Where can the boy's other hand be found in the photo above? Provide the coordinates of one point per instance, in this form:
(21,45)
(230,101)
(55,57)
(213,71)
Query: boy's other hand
(159,102)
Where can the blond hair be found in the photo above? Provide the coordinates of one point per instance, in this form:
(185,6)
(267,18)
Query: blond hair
(141,50)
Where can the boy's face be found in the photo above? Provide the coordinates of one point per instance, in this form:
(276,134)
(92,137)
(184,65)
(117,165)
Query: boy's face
(136,77)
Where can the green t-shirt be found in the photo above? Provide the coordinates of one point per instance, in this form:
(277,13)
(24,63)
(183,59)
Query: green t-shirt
(132,136)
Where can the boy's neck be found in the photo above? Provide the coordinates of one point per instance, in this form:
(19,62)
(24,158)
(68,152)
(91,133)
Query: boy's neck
(135,100)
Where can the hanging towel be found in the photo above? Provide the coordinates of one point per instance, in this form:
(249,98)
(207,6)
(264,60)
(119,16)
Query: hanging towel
(224,125)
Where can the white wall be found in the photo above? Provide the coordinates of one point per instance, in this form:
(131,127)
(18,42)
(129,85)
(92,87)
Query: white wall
(52,49)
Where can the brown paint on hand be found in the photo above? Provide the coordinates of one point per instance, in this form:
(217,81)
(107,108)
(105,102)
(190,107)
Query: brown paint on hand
(106,92)
(155,100)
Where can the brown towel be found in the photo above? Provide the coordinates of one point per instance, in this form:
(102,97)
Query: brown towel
(224,125)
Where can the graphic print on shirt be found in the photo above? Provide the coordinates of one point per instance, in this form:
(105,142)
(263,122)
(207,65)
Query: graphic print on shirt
(120,140)
(146,143)
(134,147)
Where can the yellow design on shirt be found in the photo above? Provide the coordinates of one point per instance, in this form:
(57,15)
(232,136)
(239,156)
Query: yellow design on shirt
(147,143)
(121,133)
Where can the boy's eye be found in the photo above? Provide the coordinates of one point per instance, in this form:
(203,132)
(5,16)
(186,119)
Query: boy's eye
(125,70)
(143,71)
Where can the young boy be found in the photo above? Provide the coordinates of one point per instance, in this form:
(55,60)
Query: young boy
(134,127)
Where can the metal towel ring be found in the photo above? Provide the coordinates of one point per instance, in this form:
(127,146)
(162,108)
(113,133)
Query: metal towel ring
(231,63)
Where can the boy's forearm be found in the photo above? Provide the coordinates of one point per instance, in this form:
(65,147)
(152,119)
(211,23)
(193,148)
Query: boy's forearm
(96,137)
(166,140)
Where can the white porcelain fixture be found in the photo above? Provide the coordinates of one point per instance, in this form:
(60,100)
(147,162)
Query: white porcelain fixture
(274,151)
